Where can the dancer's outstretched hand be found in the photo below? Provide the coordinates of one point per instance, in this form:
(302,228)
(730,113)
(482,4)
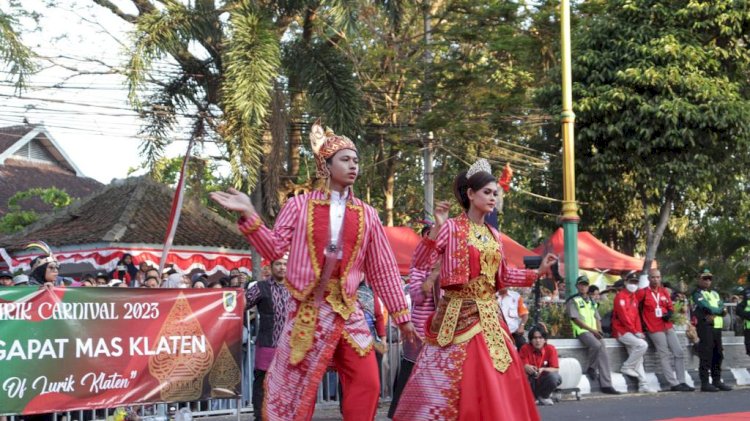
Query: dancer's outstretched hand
(234,200)
(441,212)
(546,265)
(408,333)
(441,215)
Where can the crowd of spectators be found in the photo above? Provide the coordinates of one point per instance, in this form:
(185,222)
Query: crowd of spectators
(636,314)
(127,275)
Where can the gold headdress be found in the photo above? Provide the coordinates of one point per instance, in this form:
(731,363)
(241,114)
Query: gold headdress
(41,260)
(325,144)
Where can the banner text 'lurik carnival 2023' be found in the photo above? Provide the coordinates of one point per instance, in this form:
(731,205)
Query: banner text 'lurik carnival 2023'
(87,348)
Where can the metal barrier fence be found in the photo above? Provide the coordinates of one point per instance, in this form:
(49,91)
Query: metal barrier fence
(328,390)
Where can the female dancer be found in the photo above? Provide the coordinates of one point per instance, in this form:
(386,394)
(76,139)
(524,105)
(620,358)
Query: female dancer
(469,368)
(333,239)
(44,268)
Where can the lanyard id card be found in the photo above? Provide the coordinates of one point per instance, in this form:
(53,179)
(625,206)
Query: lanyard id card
(657,311)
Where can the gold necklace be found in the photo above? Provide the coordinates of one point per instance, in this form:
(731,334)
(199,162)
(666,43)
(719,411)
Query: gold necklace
(479,234)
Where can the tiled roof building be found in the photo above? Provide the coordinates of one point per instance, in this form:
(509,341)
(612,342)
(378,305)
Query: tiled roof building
(135,211)
(128,216)
(131,216)
(30,158)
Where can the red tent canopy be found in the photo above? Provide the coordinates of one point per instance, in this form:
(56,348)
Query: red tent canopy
(592,253)
(514,252)
(404,240)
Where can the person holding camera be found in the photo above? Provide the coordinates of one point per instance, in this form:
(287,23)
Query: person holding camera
(709,313)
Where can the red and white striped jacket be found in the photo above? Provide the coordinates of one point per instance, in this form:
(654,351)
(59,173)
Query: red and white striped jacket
(452,246)
(302,228)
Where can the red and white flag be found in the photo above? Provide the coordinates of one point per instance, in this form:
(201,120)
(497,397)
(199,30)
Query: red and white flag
(174,214)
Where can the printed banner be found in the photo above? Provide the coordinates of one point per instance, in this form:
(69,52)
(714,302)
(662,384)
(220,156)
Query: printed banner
(87,348)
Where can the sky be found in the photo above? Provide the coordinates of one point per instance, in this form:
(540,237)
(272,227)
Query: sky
(77,94)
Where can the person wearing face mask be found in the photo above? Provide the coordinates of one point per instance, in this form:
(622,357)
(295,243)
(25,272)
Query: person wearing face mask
(626,327)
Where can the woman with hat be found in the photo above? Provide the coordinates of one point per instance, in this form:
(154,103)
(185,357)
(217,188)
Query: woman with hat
(333,238)
(44,268)
(468,367)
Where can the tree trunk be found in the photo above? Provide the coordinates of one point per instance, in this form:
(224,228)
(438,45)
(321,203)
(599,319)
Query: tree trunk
(654,235)
(295,129)
(427,136)
(296,102)
(390,186)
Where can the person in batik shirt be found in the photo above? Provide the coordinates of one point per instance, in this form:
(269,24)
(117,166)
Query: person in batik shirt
(271,297)
(468,368)
(333,239)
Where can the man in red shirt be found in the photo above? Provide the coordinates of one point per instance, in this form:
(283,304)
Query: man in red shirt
(626,327)
(542,367)
(657,309)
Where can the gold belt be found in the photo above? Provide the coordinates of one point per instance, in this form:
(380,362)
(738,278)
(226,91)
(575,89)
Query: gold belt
(494,334)
(303,329)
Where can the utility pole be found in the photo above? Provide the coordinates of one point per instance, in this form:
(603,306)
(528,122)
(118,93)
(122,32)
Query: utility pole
(570,207)
(427,136)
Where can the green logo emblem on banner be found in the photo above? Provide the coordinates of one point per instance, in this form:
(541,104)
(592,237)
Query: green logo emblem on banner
(230,300)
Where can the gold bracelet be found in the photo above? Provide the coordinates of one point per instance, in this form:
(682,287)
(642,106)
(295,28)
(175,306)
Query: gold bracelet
(248,226)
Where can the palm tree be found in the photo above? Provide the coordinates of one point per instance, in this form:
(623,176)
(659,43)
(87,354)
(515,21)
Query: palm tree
(220,68)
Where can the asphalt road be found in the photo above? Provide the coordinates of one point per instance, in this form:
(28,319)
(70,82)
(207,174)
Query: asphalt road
(630,407)
(659,406)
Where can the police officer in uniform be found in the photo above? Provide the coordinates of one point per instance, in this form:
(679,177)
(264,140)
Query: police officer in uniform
(709,311)
(586,323)
(743,310)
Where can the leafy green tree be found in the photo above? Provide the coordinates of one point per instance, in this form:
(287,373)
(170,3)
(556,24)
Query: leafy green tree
(17,218)
(201,173)
(662,110)
(387,55)
(712,233)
